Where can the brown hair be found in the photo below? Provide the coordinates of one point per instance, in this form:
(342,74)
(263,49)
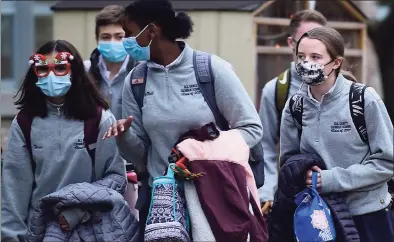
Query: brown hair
(348,75)
(334,42)
(307,15)
(112,14)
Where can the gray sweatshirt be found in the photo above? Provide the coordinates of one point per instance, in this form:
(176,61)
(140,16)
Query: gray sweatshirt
(61,159)
(111,89)
(173,105)
(269,119)
(358,171)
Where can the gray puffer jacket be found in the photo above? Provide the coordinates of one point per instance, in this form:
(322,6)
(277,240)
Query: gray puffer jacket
(111,219)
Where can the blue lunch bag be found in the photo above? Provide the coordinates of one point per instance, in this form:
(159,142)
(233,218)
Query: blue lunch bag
(312,218)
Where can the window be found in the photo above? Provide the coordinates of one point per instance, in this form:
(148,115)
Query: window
(354,65)
(334,11)
(282,9)
(11,15)
(272,23)
(7,22)
(269,67)
(352,38)
(272,35)
(43,28)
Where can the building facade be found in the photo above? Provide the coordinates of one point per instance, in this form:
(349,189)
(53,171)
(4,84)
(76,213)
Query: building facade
(248,34)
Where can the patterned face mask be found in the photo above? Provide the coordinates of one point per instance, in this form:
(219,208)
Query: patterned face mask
(312,73)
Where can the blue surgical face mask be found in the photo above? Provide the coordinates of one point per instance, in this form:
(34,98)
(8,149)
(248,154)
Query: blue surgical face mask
(54,86)
(112,51)
(136,51)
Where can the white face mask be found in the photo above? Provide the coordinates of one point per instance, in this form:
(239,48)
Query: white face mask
(312,73)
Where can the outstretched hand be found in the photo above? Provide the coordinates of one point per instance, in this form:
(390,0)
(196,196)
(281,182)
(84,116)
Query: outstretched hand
(118,127)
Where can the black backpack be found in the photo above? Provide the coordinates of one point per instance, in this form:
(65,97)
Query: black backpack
(356,104)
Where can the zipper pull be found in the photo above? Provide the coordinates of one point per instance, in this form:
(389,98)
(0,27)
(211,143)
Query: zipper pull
(166,71)
(58,111)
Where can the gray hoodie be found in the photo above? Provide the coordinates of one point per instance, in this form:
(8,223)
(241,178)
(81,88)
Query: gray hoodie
(173,105)
(112,89)
(61,159)
(269,118)
(358,171)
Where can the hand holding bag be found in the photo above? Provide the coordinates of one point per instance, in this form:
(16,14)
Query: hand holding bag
(312,219)
(168,218)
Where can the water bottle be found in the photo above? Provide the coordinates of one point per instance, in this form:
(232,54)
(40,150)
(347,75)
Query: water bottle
(131,194)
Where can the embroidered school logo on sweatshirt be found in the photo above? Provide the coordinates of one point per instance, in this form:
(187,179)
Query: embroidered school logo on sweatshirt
(37,147)
(341,127)
(79,144)
(190,90)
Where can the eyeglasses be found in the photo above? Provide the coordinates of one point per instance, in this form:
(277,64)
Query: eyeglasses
(58,69)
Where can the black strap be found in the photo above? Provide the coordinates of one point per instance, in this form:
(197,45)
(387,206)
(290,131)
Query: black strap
(296,105)
(356,104)
(94,69)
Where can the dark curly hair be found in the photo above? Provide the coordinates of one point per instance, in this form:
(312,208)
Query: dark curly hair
(174,26)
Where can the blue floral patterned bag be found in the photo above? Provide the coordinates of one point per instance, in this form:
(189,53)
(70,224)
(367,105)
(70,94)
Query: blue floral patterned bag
(168,218)
(312,219)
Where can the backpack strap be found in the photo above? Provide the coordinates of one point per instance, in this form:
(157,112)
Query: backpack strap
(282,88)
(204,77)
(94,70)
(91,131)
(206,83)
(25,121)
(356,104)
(296,106)
(138,82)
(131,64)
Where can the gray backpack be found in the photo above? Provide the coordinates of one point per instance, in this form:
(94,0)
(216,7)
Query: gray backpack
(205,81)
